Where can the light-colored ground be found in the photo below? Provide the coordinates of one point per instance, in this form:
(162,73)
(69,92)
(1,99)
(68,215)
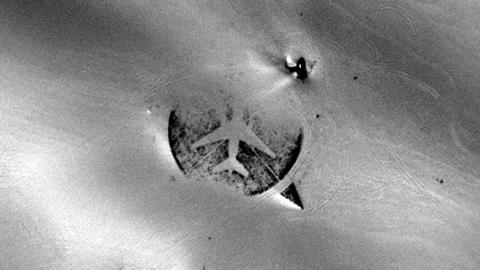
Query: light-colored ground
(87,179)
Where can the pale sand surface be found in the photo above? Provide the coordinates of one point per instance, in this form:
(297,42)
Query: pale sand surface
(389,173)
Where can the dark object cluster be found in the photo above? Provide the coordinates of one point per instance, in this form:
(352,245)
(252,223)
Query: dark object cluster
(300,69)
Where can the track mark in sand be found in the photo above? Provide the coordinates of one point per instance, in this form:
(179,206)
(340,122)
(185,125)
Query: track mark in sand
(414,181)
(394,12)
(417,83)
(237,149)
(466,135)
(248,8)
(375,54)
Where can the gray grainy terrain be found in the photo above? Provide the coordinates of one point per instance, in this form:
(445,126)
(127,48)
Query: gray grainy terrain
(389,172)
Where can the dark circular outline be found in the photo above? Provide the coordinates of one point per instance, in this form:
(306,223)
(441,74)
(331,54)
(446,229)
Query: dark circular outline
(283,174)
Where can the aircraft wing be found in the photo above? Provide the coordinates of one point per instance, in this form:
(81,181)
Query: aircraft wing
(217,135)
(250,138)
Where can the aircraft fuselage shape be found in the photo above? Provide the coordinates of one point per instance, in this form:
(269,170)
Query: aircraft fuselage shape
(234,131)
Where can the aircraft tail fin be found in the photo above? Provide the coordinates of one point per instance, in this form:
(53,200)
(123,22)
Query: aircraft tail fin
(231,164)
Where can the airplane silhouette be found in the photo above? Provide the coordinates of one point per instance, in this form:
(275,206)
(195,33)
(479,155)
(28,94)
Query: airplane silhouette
(234,131)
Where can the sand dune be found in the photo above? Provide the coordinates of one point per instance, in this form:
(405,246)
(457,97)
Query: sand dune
(381,141)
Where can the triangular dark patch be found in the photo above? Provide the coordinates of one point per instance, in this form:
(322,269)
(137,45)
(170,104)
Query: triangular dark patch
(291,194)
